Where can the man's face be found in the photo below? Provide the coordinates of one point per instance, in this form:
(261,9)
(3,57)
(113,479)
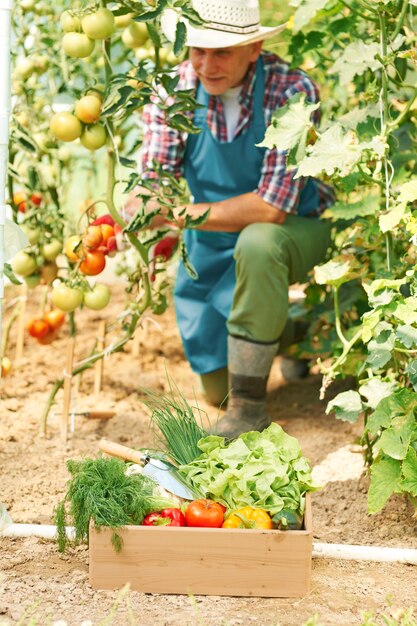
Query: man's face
(220,69)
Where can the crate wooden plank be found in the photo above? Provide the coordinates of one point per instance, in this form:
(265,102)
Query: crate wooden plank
(234,562)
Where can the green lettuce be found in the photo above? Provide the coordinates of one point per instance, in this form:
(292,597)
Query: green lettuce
(264,470)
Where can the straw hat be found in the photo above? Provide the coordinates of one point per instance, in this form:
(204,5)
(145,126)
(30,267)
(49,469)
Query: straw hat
(227,23)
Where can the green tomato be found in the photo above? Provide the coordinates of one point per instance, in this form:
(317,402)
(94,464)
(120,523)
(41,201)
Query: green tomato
(32,280)
(94,137)
(23,264)
(97,298)
(77,45)
(98,25)
(24,68)
(69,22)
(33,234)
(65,126)
(51,250)
(66,298)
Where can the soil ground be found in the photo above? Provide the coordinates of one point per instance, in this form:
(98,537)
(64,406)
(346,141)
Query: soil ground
(36,580)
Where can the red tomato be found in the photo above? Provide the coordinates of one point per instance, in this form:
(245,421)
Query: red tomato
(107,231)
(93,237)
(36,199)
(204,513)
(38,328)
(19,200)
(49,338)
(93,263)
(55,318)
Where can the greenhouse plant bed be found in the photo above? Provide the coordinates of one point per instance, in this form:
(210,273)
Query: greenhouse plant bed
(221,562)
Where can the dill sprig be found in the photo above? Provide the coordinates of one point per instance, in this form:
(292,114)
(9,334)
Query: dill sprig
(179,430)
(99,490)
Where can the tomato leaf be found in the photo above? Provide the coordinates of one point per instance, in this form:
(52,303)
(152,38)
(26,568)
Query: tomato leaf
(191,271)
(180,38)
(346,405)
(407,335)
(8,272)
(385,480)
(368,205)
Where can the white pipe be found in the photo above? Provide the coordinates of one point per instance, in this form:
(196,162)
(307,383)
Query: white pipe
(320,550)
(5,30)
(35,530)
(365,553)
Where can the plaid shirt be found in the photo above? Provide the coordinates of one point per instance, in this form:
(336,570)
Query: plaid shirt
(276,186)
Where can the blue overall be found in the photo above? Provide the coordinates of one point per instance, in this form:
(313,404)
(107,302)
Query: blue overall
(217,171)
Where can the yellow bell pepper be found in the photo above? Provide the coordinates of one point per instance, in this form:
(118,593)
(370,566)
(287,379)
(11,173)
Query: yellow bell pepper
(248,517)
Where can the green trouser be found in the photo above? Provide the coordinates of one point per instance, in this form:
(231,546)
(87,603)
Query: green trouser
(269,258)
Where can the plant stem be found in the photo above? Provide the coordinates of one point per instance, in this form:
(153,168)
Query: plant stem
(329,371)
(401,19)
(338,324)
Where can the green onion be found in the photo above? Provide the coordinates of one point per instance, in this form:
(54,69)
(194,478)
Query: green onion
(179,430)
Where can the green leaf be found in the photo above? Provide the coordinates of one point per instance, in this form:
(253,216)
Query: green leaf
(388,221)
(385,480)
(376,390)
(409,470)
(368,205)
(8,272)
(180,38)
(401,402)
(193,222)
(395,440)
(411,371)
(370,320)
(306,10)
(408,191)
(407,311)
(337,271)
(290,126)
(380,348)
(407,335)
(355,59)
(358,115)
(346,405)
(334,151)
(191,271)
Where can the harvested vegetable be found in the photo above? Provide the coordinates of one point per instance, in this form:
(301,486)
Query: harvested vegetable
(204,513)
(166,517)
(264,470)
(248,517)
(99,490)
(179,430)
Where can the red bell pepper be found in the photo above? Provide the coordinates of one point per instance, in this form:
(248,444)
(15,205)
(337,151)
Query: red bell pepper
(166,517)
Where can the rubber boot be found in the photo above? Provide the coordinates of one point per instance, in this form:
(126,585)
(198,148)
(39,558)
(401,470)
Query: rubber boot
(249,365)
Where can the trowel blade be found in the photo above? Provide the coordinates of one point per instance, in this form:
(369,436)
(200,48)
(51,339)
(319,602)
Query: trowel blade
(168,480)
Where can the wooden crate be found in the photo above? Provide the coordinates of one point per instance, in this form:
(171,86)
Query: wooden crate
(223,562)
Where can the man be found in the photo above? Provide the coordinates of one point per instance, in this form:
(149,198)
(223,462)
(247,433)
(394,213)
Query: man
(256,241)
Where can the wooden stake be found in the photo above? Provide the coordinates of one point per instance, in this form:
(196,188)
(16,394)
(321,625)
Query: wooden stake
(21,324)
(99,365)
(67,388)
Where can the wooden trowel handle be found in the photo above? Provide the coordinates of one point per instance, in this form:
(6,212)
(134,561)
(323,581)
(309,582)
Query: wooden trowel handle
(121,452)
(100,415)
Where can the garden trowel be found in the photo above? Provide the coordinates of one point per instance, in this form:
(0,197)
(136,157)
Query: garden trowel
(162,472)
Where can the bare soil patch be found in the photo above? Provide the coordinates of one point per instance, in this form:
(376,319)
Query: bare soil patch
(33,479)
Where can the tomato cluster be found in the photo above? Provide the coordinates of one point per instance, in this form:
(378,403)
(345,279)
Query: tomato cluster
(45,329)
(81,31)
(83,123)
(90,248)
(21,200)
